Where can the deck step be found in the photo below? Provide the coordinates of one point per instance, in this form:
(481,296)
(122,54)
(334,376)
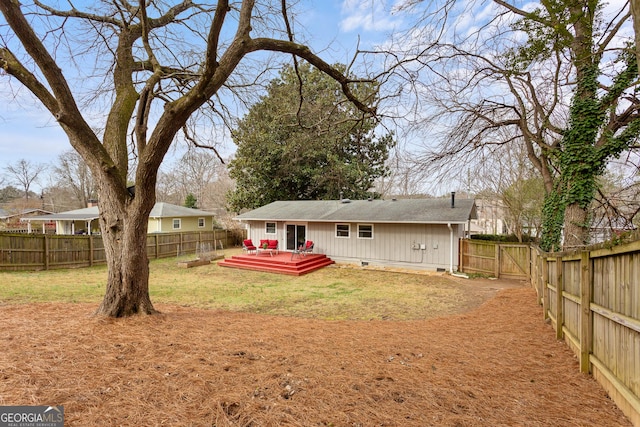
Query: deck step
(282,263)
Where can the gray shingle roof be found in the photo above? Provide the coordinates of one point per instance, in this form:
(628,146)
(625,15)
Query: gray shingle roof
(160,210)
(165,210)
(5,214)
(426,211)
(75,215)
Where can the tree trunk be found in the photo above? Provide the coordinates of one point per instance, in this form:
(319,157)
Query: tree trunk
(635,13)
(576,226)
(518,230)
(124,231)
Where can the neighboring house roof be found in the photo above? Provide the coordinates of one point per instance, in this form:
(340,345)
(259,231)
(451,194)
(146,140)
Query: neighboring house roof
(426,211)
(160,210)
(165,210)
(5,214)
(75,215)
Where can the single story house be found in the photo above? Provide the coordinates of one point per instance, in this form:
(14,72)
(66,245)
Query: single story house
(164,217)
(14,220)
(412,233)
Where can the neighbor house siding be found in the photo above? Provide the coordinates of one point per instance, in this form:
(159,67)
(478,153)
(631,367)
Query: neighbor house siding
(166,225)
(191,224)
(186,224)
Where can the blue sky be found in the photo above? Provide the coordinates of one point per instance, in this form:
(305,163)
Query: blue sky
(29,132)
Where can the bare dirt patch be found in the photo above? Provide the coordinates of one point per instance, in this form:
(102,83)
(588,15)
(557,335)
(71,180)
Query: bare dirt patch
(497,365)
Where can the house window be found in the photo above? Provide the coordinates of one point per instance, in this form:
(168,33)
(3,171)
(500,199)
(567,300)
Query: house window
(201,222)
(177,223)
(270,227)
(365,231)
(343,230)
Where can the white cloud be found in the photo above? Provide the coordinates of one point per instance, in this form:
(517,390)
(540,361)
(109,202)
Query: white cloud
(367,15)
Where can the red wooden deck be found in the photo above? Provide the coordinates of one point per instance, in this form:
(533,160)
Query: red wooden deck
(281,263)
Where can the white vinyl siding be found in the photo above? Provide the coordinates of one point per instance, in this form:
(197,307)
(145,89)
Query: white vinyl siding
(393,243)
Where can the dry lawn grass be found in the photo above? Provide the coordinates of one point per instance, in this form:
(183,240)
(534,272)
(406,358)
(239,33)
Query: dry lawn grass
(496,365)
(333,293)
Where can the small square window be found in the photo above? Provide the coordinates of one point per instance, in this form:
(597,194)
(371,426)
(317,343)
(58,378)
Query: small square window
(177,223)
(343,230)
(270,227)
(201,222)
(365,231)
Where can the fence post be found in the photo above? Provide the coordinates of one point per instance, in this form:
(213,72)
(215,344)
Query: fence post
(535,270)
(545,281)
(155,236)
(559,299)
(90,250)
(46,252)
(586,321)
(496,266)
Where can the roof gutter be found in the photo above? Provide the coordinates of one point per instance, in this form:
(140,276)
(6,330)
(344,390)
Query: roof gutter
(352,220)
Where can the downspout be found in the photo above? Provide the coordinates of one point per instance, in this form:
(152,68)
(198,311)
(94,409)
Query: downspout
(464,276)
(453,205)
(450,247)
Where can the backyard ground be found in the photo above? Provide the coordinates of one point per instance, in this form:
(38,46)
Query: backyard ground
(494,362)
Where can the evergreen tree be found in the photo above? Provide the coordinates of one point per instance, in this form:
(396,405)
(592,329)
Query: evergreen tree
(190,201)
(303,141)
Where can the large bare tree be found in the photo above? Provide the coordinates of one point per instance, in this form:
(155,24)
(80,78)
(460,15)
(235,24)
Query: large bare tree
(505,175)
(195,172)
(162,62)
(556,77)
(24,173)
(72,172)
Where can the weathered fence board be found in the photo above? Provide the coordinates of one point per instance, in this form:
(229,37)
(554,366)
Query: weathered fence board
(501,260)
(43,252)
(600,314)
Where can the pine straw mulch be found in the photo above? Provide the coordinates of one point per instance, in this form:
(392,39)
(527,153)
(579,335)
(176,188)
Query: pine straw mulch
(498,365)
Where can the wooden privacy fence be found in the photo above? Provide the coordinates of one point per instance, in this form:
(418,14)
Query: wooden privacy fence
(501,260)
(592,299)
(44,252)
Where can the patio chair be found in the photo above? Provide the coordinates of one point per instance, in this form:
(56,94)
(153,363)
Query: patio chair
(248,247)
(308,248)
(303,250)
